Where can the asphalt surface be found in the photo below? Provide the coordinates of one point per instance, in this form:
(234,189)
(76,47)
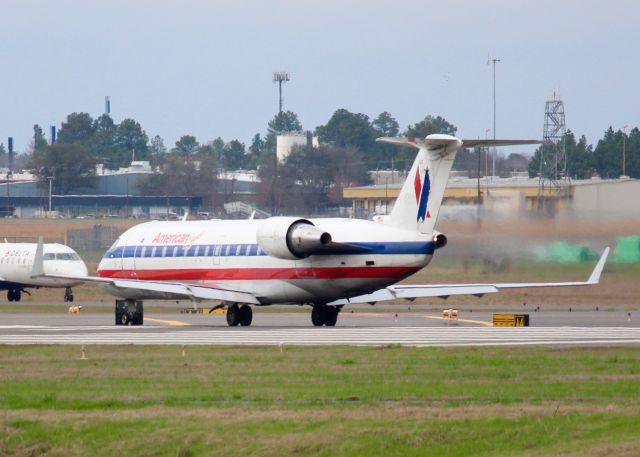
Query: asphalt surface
(418,327)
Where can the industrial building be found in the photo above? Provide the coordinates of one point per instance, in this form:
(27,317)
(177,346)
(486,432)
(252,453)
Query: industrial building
(517,196)
(114,194)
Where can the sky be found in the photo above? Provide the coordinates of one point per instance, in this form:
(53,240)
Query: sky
(204,67)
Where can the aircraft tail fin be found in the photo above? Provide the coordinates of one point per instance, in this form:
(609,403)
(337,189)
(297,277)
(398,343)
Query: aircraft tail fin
(419,201)
(420,198)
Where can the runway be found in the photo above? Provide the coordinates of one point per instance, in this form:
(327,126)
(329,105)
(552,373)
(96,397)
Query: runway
(363,336)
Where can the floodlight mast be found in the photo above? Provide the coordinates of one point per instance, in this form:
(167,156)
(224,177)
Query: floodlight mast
(280,77)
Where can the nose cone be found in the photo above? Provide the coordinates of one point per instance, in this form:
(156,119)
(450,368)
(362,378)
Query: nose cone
(76,268)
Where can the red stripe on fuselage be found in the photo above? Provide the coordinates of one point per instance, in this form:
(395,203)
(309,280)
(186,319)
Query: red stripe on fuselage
(248,274)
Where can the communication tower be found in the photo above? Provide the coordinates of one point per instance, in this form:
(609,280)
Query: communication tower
(280,77)
(553,157)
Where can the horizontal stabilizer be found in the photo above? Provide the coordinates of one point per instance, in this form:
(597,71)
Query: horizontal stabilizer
(435,141)
(487,143)
(430,143)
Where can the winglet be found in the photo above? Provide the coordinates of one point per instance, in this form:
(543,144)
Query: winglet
(597,271)
(38,261)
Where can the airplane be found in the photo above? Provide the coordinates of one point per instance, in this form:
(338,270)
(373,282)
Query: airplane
(326,263)
(16,264)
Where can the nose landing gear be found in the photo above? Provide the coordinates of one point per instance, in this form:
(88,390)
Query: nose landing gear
(129,312)
(68,295)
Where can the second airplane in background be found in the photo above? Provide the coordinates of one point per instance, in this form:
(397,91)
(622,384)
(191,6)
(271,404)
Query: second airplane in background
(16,268)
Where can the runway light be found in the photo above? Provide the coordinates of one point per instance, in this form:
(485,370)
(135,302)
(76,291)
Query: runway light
(281,345)
(83,356)
(184,350)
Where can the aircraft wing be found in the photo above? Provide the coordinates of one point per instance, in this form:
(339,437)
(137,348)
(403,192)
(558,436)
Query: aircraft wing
(176,290)
(173,289)
(446,290)
(189,291)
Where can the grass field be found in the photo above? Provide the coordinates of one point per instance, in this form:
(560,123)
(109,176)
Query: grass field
(351,401)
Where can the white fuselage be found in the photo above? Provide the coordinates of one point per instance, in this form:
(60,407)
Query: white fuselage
(226,254)
(16,265)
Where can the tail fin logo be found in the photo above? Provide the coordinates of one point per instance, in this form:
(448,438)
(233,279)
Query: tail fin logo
(422,194)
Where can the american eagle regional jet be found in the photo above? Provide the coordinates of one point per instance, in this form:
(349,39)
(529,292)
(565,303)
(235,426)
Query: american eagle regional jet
(325,263)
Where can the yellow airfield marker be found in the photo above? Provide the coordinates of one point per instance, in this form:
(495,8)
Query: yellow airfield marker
(170,323)
(468,321)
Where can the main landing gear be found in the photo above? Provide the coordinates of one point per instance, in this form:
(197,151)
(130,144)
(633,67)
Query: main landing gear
(324,315)
(14,294)
(239,315)
(68,295)
(129,312)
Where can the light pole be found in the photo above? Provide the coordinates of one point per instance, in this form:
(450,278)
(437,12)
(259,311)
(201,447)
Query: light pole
(486,161)
(624,150)
(493,155)
(280,77)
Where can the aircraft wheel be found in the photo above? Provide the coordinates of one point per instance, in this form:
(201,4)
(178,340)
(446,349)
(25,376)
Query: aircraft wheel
(233,315)
(124,319)
(17,295)
(331,316)
(10,295)
(317,315)
(68,295)
(246,315)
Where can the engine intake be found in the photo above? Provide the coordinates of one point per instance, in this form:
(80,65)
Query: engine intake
(439,240)
(290,238)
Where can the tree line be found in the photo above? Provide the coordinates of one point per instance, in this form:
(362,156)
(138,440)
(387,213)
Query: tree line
(309,178)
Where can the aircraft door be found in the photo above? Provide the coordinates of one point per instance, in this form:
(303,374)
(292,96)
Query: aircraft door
(218,250)
(129,254)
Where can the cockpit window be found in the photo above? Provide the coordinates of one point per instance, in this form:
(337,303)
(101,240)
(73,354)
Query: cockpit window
(67,256)
(61,256)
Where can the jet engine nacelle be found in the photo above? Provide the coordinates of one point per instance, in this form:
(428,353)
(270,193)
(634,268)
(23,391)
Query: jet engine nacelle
(439,240)
(290,238)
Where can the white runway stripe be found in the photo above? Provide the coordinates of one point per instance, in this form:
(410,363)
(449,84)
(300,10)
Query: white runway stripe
(407,336)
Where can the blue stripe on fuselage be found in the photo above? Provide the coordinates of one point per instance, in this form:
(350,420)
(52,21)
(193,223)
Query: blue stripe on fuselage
(251,250)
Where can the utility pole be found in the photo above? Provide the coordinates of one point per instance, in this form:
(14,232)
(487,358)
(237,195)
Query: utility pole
(493,155)
(624,150)
(50,187)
